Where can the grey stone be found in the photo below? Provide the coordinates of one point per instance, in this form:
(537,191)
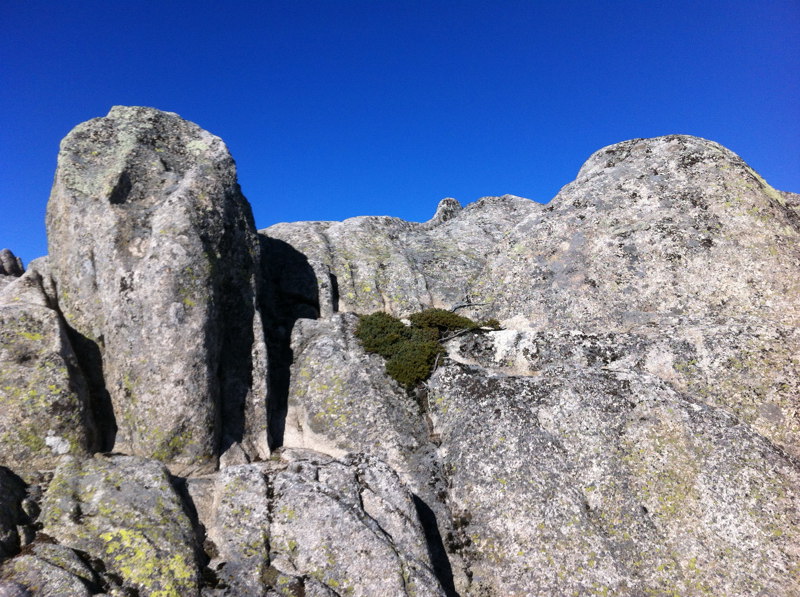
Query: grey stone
(13,589)
(618,249)
(651,314)
(632,430)
(155,257)
(387,264)
(10,264)
(239,528)
(45,407)
(43,578)
(341,400)
(350,525)
(124,511)
(308,522)
(52,571)
(610,481)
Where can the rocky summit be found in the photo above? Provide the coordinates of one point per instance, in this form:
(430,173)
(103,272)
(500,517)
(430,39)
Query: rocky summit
(187,407)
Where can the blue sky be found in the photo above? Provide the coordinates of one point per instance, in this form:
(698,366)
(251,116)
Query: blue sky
(334,109)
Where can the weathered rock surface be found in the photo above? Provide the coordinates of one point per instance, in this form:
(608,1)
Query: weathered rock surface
(10,267)
(156,259)
(673,236)
(124,512)
(652,325)
(351,525)
(53,571)
(341,401)
(633,429)
(308,522)
(589,480)
(13,589)
(388,264)
(651,228)
(45,408)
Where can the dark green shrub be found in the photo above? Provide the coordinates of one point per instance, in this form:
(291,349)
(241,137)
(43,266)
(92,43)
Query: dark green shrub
(412,364)
(490,323)
(442,320)
(381,333)
(423,334)
(411,351)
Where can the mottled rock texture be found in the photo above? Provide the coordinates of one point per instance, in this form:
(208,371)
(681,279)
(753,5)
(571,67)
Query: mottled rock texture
(599,480)
(53,571)
(387,264)
(310,522)
(124,511)
(669,238)
(341,401)
(10,264)
(652,228)
(597,444)
(632,429)
(155,258)
(45,408)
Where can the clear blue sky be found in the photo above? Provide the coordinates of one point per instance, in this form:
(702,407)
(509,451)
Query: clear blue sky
(339,108)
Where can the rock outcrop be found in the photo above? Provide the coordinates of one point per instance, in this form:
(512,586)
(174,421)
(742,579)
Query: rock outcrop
(325,526)
(10,265)
(124,511)
(651,322)
(387,264)
(156,262)
(587,477)
(186,409)
(45,409)
(672,227)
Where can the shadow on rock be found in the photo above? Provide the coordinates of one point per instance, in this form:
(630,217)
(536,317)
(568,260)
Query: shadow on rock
(90,361)
(436,549)
(291,293)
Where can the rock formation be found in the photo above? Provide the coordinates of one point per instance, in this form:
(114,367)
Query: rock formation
(155,259)
(44,396)
(186,409)
(10,265)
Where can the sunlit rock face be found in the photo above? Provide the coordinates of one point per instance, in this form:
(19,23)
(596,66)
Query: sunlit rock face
(155,259)
(45,406)
(668,228)
(650,315)
(632,428)
(388,264)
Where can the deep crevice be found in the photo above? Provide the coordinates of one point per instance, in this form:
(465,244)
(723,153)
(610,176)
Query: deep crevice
(436,549)
(122,189)
(290,292)
(90,362)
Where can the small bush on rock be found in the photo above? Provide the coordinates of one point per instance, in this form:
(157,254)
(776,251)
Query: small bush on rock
(413,363)
(442,320)
(492,324)
(382,334)
(411,351)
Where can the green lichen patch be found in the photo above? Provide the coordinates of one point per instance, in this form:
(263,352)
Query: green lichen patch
(141,563)
(171,447)
(124,511)
(43,400)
